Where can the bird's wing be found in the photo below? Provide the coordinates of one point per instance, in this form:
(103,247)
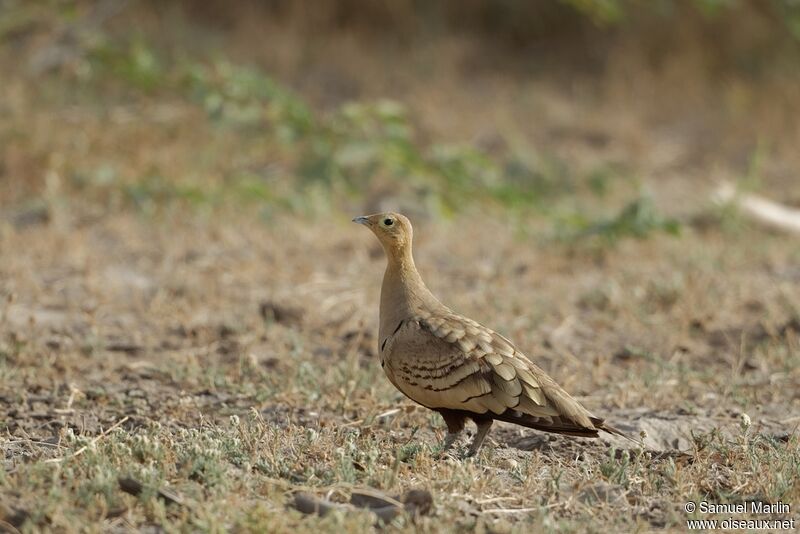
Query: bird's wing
(448,361)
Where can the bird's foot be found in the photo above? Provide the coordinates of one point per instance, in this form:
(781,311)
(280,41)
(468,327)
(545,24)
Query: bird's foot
(449,454)
(447,445)
(477,441)
(469,453)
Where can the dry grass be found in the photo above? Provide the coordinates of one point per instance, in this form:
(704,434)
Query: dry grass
(164,319)
(161,323)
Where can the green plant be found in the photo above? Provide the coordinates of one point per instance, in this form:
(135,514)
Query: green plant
(637,219)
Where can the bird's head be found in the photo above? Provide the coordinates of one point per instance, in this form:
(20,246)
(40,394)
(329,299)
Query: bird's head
(393,230)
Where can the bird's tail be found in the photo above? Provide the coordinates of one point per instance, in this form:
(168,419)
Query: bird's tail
(600,424)
(554,424)
(562,425)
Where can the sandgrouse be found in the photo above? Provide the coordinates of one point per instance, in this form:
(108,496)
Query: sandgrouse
(456,366)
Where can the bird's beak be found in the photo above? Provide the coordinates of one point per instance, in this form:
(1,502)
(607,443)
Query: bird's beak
(361,220)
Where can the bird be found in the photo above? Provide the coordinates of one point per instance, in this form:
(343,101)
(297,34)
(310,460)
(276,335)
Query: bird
(456,366)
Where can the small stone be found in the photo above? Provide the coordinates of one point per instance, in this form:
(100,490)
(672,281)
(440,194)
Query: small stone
(508,463)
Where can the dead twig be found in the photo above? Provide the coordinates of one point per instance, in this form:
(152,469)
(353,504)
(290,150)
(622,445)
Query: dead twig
(134,487)
(509,510)
(760,208)
(91,443)
(414,502)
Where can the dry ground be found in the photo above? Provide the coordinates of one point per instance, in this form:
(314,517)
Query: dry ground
(236,363)
(176,310)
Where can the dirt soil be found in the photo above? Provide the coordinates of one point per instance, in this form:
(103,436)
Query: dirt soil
(184,365)
(236,363)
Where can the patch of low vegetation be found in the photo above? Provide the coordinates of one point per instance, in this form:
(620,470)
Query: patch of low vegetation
(191,399)
(289,157)
(637,219)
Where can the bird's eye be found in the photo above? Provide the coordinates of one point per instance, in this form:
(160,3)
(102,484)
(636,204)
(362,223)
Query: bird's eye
(388,222)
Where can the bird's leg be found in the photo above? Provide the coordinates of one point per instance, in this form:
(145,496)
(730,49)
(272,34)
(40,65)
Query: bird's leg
(483,428)
(455,424)
(449,439)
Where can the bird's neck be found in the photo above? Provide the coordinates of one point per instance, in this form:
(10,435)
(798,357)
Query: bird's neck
(403,293)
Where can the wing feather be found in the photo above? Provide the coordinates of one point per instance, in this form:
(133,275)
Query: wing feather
(503,391)
(505,370)
(443,360)
(493,359)
(511,387)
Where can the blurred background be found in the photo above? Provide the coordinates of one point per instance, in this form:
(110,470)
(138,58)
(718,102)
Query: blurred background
(177,261)
(598,115)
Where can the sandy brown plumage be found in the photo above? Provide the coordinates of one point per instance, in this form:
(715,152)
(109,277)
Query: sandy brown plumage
(456,366)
